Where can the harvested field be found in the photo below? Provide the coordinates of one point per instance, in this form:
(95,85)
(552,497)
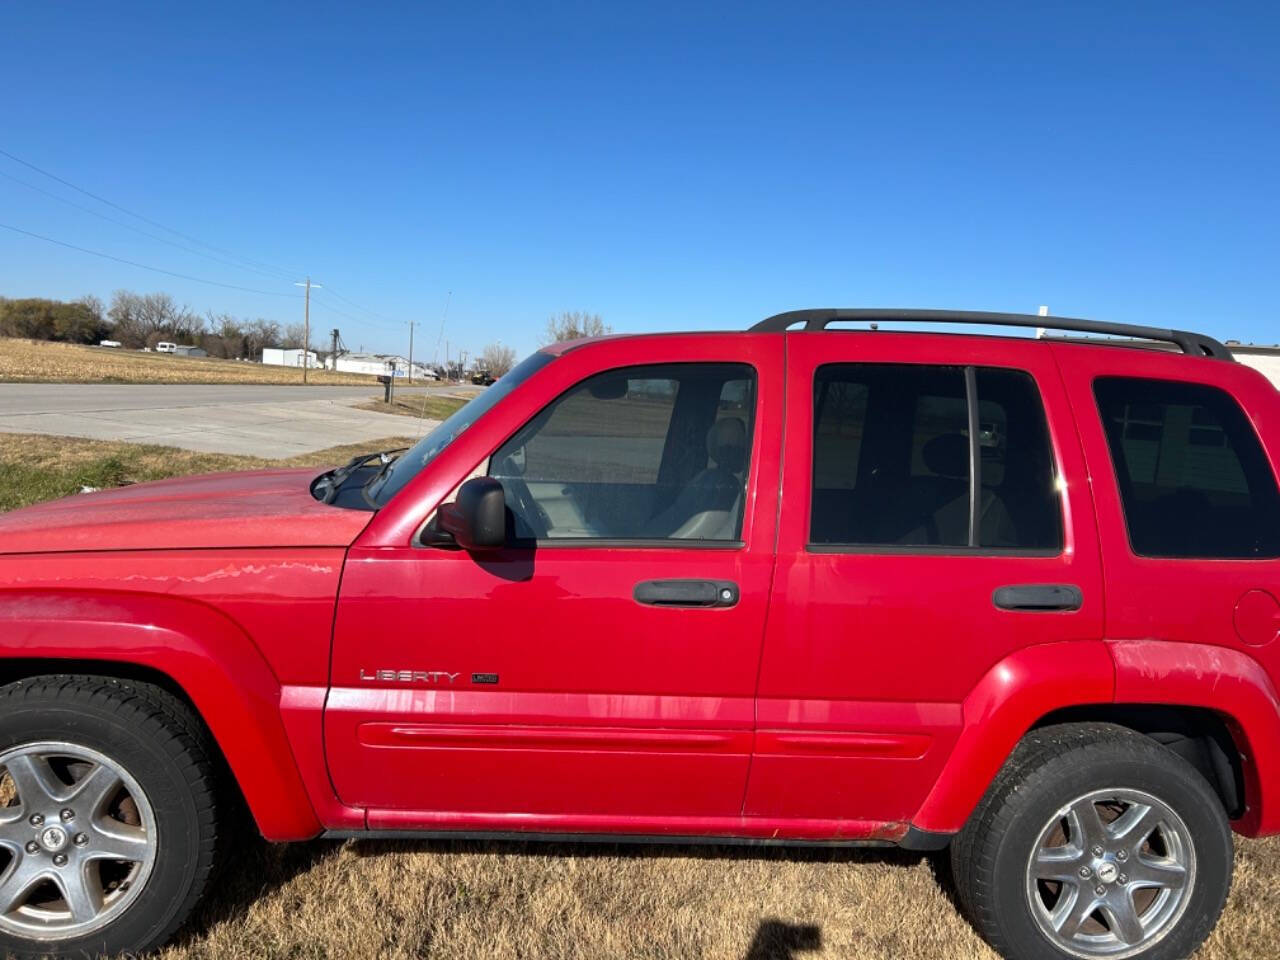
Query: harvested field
(39,361)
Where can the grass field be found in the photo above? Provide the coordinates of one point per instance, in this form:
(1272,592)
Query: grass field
(37,467)
(475,901)
(415,405)
(39,361)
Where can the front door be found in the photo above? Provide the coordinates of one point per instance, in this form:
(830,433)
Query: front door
(599,670)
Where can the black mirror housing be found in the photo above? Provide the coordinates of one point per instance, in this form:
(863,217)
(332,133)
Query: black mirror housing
(477,519)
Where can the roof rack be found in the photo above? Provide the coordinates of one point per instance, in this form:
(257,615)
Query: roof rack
(1193,344)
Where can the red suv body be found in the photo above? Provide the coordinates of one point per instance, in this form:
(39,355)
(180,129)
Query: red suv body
(781,586)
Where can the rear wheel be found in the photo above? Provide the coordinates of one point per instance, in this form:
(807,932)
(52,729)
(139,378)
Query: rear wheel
(107,816)
(1095,842)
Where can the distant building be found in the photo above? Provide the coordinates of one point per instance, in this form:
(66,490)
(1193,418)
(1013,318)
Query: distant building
(183,350)
(378,364)
(277,357)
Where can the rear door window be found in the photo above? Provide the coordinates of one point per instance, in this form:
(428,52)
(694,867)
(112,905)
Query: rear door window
(895,453)
(1194,480)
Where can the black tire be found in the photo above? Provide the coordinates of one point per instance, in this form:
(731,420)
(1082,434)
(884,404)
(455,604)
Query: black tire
(156,739)
(1051,767)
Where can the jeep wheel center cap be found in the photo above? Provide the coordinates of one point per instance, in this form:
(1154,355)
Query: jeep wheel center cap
(53,839)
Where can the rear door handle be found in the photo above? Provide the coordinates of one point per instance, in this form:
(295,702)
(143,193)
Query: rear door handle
(687,593)
(1038,596)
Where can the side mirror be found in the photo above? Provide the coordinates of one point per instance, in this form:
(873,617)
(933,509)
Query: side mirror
(477,520)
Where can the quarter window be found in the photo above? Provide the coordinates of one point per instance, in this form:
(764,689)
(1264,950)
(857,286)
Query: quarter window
(640,453)
(1193,477)
(894,459)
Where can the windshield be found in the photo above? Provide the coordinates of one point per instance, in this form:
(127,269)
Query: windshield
(406,467)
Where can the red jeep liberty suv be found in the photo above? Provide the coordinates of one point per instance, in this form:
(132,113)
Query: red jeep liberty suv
(1015,596)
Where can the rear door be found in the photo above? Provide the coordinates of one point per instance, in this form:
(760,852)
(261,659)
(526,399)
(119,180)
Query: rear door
(934,486)
(598,672)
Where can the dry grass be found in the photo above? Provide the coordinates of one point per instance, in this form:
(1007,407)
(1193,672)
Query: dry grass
(420,405)
(529,901)
(460,900)
(37,467)
(39,361)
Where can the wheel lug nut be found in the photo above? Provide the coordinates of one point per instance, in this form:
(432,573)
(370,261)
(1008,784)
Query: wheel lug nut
(60,860)
(68,814)
(1122,879)
(81,839)
(1099,889)
(32,846)
(1121,855)
(37,819)
(1097,851)
(1085,871)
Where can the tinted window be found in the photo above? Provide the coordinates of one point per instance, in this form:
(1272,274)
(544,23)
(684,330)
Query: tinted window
(1021,505)
(640,453)
(891,459)
(1193,477)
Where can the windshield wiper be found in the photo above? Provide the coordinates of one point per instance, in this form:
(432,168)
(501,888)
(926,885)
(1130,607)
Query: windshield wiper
(334,479)
(386,465)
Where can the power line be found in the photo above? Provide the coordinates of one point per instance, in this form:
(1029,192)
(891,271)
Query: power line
(143,266)
(238,262)
(447,301)
(139,230)
(320,302)
(358,307)
(154,223)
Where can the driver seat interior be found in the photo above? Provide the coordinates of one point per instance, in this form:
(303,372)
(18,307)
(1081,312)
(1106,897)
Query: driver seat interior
(708,506)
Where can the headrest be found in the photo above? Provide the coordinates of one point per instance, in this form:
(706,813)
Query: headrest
(947,455)
(727,444)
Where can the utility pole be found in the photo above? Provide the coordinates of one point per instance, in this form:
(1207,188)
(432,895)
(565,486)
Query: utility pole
(412,324)
(333,352)
(306,325)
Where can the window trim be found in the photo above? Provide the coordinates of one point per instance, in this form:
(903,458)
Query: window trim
(644,543)
(1119,485)
(972,548)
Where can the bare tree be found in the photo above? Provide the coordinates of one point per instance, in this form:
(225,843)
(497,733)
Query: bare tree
(258,334)
(126,320)
(95,310)
(574,325)
(294,336)
(497,359)
(142,318)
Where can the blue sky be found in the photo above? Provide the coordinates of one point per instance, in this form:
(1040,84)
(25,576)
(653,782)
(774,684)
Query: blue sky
(667,166)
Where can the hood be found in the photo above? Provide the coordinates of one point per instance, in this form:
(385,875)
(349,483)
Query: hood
(261,508)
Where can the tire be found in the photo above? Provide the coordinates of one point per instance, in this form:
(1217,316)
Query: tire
(110,767)
(1169,873)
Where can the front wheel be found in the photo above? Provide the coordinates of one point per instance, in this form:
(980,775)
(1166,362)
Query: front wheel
(1095,843)
(107,816)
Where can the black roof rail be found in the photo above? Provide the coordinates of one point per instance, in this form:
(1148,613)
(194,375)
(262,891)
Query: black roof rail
(1193,344)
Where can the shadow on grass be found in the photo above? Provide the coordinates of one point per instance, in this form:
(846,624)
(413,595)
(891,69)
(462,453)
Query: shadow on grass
(252,871)
(257,868)
(779,940)
(585,850)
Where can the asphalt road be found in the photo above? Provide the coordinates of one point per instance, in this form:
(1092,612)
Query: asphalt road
(266,421)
